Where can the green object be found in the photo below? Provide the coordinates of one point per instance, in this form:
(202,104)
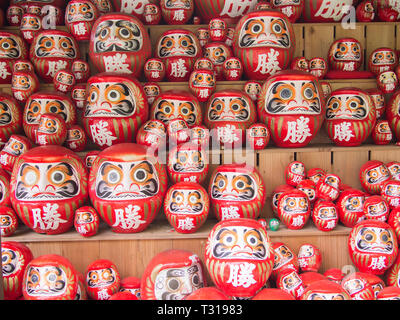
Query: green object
(274,224)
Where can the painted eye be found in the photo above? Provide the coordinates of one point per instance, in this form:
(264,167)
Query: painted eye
(57,177)
(47,44)
(353,105)
(179,198)
(276,27)
(240,185)
(228,240)
(196,279)
(35,278)
(167,110)
(252,240)
(235,107)
(218,107)
(385,237)
(173,284)
(113,176)
(308,93)
(140,175)
(114,95)
(31,177)
(286,94)
(185,111)
(52,277)
(124,33)
(184,43)
(93,96)
(256,28)
(169,43)
(193,199)
(221,183)
(369,236)
(104,33)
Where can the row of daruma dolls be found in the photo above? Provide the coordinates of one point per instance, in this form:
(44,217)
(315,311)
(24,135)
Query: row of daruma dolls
(273,270)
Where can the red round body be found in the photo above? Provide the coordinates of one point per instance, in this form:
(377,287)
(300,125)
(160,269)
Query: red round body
(200,135)
(295,172)
(126,187)
(161,271)
(382,134)
(186,206)
(273,294)
(372,246)
(394,221)
(275,196)
(325,215)
(178,131)
(292,9)
(111,52)
(49,60)
(225,258)
(177,104)
(358,287)
(64,80)
(315,174)
(393,274)
(52,130)
(326,89)
(379,101)
(152,90)
(394,169)
(90,157)
(208,293)
(382,59)
(154,70)
(232,69)
(178,49)
(14,15)
(269,48)
(289,280)
(123,296)
(325,290)
(284,258)
(43,102)
(132,285)
(151,14)
(350,116)
(387,81)
(300,63)
(22,65)
(309,257)
(176,12)
(23,84)
(15,146)
(253,89)
(318,67)
(81,70)
(292,105)
(11,115)
(327,188)
(102,279)
(372,174)
(365,11)
(8,221)
(76,138)
(389,293)
(393,114)
(376,282)
(350,206)
(345,54)
(153,134)
(86,221)
(50,277)
(236,191)
(294,209)
(217,28)
(116,107)
(218,53)
(390,191)
(308,187)
(326,10)
(257,136)
(80,16)
(78,95)
(16,49)
(31,25)
(203,35)
(203,63)
(388,11)
(15,258)
(4,188)
(376,208)
(48,184)
(334,274)
(202,84)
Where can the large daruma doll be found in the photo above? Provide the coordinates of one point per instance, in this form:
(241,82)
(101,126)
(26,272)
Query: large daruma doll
(264,41)
(234,246)
(127,186)
(236,191)
(291,104)
(119,43)
(350,116)
(48,184)
(12,48)
(393,114)
(116,107)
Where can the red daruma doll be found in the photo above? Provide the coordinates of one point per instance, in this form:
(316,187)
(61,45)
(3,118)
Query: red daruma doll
(295,172)
(292,105)
(325,215)
(86,221)
(294,209)
(102,279)
(126,186)
(372,174)
(236,191)
(345,54)
(264,41)
(80,16)
(236,246)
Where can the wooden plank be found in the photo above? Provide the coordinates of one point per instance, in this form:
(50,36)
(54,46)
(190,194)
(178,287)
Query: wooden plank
(298,34)
(317,40)
(315,160)
(385,155)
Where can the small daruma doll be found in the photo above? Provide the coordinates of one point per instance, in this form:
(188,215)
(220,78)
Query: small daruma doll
(345,54)
(309,257)
(294,209)
(295,172)
(48,184)
(218,53)
(52,130)
(31,25)
(325,215)
(328,187)
(152,133)
(390,191)
(172,275)
(76,138)
(365,11)
(379,101)
(102,279)
(382,134)
(23,84)
(290,8)
(12,48)
(382,59)
(300,63)
(80,16)
(127,186)
(217,28)
(119,43)
(258,37)
(50,277)
(232,69)
(292,105)
(179,49)
(394,169)
(376,208)
(151,14)
(284,259)
(239,244)
(236,191)
(8,221)
(10,117)
(318,67)
(372,174)
(154,70)
(86,221)
(53,50)
(186,206)
(64,80)
(176,12)
(387,81)
(81,70)
(202,84)
(357,286)
(15,146)
(393,114)
(115,109)
(372,246)
(350,116)
(257,136)
(350,205)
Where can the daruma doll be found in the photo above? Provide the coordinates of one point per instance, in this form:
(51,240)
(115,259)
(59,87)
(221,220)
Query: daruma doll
(292,105)
(10,117)
(345,54)
(12,48)
(264,41)
(127,187)
(393,114)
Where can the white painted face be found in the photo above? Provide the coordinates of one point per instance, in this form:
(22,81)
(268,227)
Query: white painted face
(383,57)
(233,186)
(327,213)
(178,4)
(168,109)
(332,181)
(295,205)
(9,48)
(293,97)
(384,127)
(326,296)
(354,203)
(229,108)
(377,209)
(353,286)
(391,190)
(50,281)
(11,261)
(110,99)
(264,32)
(14,147)
(185,201)
(291,281)
(177,45)
(377,175)
(282,256)
(100,278)
(374,240)
(126,180)
(84,217)
(77,12)
(346,106)
(280,3)
(46,182)
(239,242)
(37,107)
(117,36)
(55,46)
(187,161)
(306,251)
(347,51)
(177,283)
